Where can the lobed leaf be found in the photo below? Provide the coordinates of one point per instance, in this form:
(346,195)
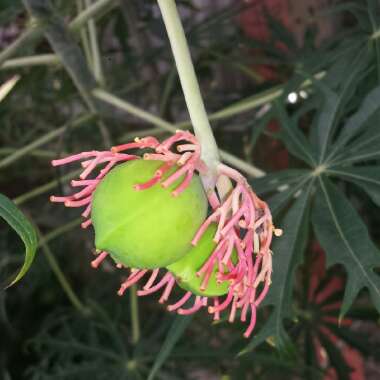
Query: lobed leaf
(277,180)
(366,177)
(357,121)
(345,239)
(295,141)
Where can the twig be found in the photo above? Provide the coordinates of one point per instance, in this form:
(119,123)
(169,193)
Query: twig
(69,53)
(96,58)
(33,60)
(66,287)
(81,120)
(29,35)
(91,12)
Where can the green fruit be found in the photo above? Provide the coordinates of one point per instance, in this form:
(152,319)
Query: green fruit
(185,269)
(148,228)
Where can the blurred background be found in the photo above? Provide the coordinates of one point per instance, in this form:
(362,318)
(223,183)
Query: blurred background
(89,74)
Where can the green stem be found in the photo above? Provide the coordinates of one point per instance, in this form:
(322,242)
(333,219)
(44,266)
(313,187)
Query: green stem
(34,60)
(91,12)
(60,231)
(44,139)
(73,298)
(35,153)
(96,58)
(135,315)
(44,188)
(189,83)
(253,101)
(84,37)
(23,40)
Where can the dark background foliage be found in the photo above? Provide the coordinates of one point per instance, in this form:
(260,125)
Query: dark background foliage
(293,92)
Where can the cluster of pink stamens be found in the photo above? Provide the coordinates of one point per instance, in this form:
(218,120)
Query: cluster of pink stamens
(242,256)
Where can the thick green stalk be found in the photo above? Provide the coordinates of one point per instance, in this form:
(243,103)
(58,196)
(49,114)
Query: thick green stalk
(190,86)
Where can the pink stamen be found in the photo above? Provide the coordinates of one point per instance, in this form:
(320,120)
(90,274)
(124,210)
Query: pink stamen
(180,303)
(197,305)
(131,280)
(151,279)
(75,157)
(177,191)
(86,224)
(158,286)
(252,323)
(216,312)
(84,182)
(231,318)
(147,184)
(82,202)
(167,291)
(86,213)
(95,263)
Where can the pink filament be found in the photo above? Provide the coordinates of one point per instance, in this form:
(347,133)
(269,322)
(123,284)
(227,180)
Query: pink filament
(181,302)
(198,303)
(132,279)
(95,263)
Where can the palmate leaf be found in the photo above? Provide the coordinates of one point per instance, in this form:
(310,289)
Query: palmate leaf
(273,181)
(366,177)
(288,251)
(368,141)
(16,219)
(334,103)
(295,141)
(345,239)
(358,121)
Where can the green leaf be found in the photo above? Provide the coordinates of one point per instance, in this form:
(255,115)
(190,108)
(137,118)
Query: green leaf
(366,177)
(174,334)
(16,219)
(280,200)
(365,142)
(273,181)
(293,138)
(345,239)
(288,251)
(356,122)
(334,103)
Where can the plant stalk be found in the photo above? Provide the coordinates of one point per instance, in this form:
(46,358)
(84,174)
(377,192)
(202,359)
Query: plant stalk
(134,304)
(66,287)
(190,86)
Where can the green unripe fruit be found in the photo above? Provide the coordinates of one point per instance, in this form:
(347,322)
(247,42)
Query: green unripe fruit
(185,269)
(148,228)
